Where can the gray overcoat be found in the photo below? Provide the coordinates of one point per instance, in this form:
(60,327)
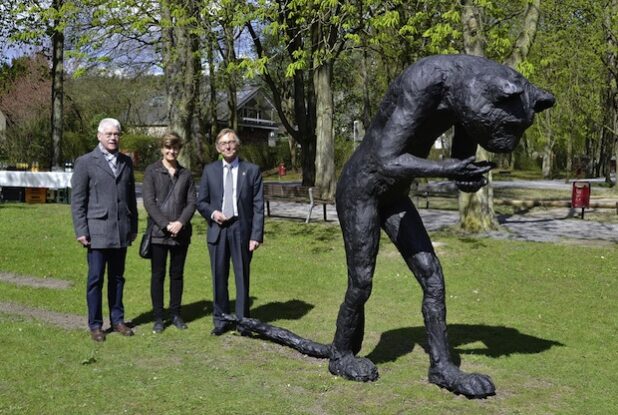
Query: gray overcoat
(104,207)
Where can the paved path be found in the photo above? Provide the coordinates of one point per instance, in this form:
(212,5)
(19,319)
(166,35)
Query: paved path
(541,225)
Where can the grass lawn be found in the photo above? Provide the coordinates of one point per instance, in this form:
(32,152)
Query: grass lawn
(540,319)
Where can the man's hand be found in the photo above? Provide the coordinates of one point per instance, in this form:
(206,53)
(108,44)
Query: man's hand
(84,240)
(253,245)
(218,217)
(174,228)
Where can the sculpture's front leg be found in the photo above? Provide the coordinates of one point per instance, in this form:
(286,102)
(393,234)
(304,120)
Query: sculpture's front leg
(442,371)
(403,225)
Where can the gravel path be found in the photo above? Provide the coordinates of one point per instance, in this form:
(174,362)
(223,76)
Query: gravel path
(539,225)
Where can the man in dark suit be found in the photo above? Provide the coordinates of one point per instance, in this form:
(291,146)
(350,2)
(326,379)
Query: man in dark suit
(231,199)
(104,212)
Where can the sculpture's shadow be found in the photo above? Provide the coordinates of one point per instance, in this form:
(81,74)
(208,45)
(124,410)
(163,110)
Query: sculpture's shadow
(497,340)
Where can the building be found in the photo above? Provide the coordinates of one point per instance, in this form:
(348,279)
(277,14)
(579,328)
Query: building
(257,116)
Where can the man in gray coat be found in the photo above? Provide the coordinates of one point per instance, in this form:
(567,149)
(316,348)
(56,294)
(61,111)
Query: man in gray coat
(104,212)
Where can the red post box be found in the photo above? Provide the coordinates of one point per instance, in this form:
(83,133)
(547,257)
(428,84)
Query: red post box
(580,196)
(282,170)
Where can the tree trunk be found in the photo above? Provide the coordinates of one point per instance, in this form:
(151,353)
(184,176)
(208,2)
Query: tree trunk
(610,119)
(325,145)
(473,37)
(476,212)
(181,64)
(526,36)
(302,129)
(548,159)
(212,102)
(230,77)
(57,114)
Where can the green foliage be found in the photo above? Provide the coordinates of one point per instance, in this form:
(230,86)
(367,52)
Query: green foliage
(264,156)
(146,148)
(76,143)
(343,150)
(27,143)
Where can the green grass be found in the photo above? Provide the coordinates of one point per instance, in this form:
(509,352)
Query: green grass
(540,319)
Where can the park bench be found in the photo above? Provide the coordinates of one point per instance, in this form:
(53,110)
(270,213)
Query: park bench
(294,192)
(445,189)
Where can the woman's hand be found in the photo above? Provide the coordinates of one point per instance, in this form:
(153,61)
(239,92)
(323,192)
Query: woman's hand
(174,228)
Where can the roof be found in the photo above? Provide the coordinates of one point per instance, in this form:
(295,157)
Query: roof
(154,112)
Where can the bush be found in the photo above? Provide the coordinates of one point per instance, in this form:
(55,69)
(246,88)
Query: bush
(74,144)
(266,157)
(144,148)
(343,150)
(29,142)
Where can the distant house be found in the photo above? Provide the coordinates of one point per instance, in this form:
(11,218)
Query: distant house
(257,116)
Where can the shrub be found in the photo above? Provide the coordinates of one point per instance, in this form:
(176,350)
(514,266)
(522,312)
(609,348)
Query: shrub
(145,148)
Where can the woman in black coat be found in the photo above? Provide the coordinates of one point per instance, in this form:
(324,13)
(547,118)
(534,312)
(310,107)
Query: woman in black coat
(169,198)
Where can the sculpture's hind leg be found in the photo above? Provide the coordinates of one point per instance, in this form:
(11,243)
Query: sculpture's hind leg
(361,234)
(403,225)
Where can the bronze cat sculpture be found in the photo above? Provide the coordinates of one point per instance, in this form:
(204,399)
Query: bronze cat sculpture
(488,104)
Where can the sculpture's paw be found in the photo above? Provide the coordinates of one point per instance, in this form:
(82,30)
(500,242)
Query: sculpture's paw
(471,185)
(471,385)
(355,368)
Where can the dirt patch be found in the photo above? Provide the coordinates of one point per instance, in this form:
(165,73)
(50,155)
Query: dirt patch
(35,282)
(63,320)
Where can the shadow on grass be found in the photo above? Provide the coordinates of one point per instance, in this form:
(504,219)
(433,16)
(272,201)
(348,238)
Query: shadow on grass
(498,341)
(288,310)
(190,312)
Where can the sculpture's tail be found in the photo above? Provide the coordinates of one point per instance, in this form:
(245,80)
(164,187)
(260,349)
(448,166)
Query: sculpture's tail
(282,336)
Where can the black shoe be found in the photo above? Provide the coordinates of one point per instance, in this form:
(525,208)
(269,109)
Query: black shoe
(158,326)
(219,330)
(179,323)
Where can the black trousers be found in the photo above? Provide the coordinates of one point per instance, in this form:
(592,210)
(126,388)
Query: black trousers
(231,245)
(158,262)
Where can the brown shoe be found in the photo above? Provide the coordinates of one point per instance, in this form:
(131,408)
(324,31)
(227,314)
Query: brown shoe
(123,329)
(97,335)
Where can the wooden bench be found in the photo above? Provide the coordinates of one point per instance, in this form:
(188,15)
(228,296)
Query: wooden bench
(294,192)
(446,190)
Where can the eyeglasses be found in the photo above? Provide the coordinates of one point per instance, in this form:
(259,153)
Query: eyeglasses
(232,143)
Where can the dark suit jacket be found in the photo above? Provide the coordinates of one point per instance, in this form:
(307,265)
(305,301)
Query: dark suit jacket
(250,199)
(104,207)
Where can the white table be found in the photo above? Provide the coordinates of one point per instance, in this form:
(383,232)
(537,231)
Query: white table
(49,180)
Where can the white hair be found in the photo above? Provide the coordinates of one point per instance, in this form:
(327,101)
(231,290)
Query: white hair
(108,122)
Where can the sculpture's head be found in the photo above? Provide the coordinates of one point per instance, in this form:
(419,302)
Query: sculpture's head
(496,106)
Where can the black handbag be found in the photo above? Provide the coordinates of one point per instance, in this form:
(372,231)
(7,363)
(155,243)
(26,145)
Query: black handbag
(145,250)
